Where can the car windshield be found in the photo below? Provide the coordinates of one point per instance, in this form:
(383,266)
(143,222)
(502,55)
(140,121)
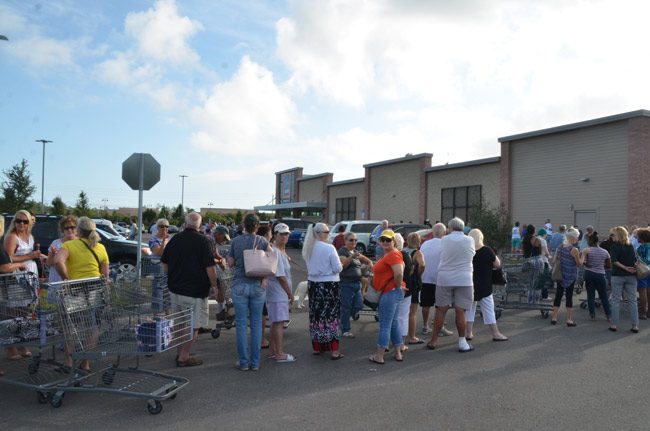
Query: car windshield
(109,235)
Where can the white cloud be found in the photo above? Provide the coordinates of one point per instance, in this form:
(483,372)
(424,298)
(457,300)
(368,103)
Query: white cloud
(247,114)
(162,34)
(43,52)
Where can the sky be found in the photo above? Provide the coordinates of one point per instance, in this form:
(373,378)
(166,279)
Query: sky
(230,92)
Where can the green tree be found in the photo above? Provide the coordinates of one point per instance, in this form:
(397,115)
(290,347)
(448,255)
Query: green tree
(164,212)
(239,217)
(58,206)
(82,208)
(149,216)
(18,187)
(495,223)
(177,215)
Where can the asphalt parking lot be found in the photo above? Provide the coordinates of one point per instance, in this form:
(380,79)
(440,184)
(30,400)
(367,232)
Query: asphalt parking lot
(544,377)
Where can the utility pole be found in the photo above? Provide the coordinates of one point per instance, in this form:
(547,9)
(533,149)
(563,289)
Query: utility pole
(183,193)
(43,141)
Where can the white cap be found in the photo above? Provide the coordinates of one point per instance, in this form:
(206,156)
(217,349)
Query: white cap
(281,228)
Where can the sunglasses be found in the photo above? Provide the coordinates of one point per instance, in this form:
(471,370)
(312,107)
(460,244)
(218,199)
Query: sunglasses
(163,227)
(325,231)
(70,228)
(21,221)
(283,233)
(352,240)
(385,240)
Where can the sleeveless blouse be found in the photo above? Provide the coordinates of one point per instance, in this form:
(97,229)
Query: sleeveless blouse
(24,248)
(569,267)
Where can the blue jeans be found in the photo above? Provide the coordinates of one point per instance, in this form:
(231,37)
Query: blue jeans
(596,283)
(351,302)
(389,329)
(626,283)
(249,299)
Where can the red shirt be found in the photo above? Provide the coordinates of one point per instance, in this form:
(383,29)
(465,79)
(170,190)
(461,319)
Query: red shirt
(383,276)
(339,241)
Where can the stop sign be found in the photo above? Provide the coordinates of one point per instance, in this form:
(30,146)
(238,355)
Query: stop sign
(144,162)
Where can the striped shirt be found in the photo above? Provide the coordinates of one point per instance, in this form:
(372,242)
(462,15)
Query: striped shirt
(596,260)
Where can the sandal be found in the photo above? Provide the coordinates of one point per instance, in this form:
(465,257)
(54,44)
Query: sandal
(416,341)
(336,357)
(431,347)
(287,358)
(193,361)
(374,359)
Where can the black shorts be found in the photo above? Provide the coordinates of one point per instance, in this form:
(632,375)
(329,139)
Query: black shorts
(415,295)
(428,295)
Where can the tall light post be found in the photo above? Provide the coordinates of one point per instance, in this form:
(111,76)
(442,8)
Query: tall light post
(183,193)
(43,141)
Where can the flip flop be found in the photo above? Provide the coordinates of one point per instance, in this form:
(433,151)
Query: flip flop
(337,357)
(500,339)
(373,359)
(265,346)
(289,358)
(430,347)
(417,341)
(399,359)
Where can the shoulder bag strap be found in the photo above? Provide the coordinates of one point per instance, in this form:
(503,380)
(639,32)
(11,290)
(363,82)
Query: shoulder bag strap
(92,251)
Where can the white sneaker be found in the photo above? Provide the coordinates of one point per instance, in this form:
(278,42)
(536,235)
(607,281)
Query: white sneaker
(426,330)
(444,332)
(348,334)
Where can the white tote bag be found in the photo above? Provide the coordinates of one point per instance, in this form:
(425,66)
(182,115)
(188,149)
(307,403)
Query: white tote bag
(260,263)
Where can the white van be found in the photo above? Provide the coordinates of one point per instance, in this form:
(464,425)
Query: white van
(362,228)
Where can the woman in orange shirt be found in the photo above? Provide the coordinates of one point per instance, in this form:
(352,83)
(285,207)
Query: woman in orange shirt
(388,278)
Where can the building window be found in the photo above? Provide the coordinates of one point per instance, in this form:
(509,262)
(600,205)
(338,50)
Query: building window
(346,209)
(459,202)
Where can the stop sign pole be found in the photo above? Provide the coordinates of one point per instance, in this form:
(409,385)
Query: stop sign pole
(141,172)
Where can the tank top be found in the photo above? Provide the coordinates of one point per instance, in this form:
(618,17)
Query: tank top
(569,267)
(24,248)
(596,260)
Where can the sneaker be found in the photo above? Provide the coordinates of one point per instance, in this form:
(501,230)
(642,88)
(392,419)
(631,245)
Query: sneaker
(426,330)
(286,324)
(241,367)
(348,334)
(444,332)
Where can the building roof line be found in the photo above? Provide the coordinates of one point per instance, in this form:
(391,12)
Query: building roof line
(464,164)
(579,125)
(406,158)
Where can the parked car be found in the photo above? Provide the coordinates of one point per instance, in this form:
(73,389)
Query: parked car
(298,229)
(120,251)
(362,228)
(402,228)
(108,226)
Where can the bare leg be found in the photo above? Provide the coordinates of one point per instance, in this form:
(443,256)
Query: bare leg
(461,321)
(468,328)
(425,316)
(184,350)
(277,334)
(496,334)
(438,321)
(265,342)
(413,317)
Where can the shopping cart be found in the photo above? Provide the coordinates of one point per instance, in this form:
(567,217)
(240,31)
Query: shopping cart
(225,317)
(519,292)
(27,320)
(99,328)
(149,294)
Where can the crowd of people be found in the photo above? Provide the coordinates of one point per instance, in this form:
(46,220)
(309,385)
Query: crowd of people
(454,269)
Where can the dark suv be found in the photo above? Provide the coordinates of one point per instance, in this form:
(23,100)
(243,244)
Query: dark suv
(402,228)
(46,230)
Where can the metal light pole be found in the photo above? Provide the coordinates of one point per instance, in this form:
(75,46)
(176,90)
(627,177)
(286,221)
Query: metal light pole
(183,193)
(43,141)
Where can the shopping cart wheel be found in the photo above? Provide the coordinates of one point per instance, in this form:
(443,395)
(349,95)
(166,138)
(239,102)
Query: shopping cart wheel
(583,305)
(545,313)
(227,325)
(173,396)
(376,317)
(57,399)
(108,377)
(216,332)
(43,397)
(154,407)
(32,368)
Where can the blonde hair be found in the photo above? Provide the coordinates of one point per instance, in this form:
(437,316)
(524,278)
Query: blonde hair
(572,233)
(399,241)
(2,226)
(64,221)
(86,228)
(477,236)
(413,240)
(621,235)
(27,215)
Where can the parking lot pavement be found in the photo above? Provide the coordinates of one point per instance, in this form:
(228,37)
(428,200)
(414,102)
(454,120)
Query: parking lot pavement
(544,377)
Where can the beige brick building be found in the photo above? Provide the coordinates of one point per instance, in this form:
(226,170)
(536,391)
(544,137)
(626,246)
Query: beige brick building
(591,172)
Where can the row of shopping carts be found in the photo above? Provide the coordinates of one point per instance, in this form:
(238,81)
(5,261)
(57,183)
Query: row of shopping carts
(112,323)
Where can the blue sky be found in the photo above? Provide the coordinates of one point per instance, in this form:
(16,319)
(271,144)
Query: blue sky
(229,92)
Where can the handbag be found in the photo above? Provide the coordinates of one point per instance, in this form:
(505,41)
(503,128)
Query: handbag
(642,269)
(259,263)
(371,297)
(499,277)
